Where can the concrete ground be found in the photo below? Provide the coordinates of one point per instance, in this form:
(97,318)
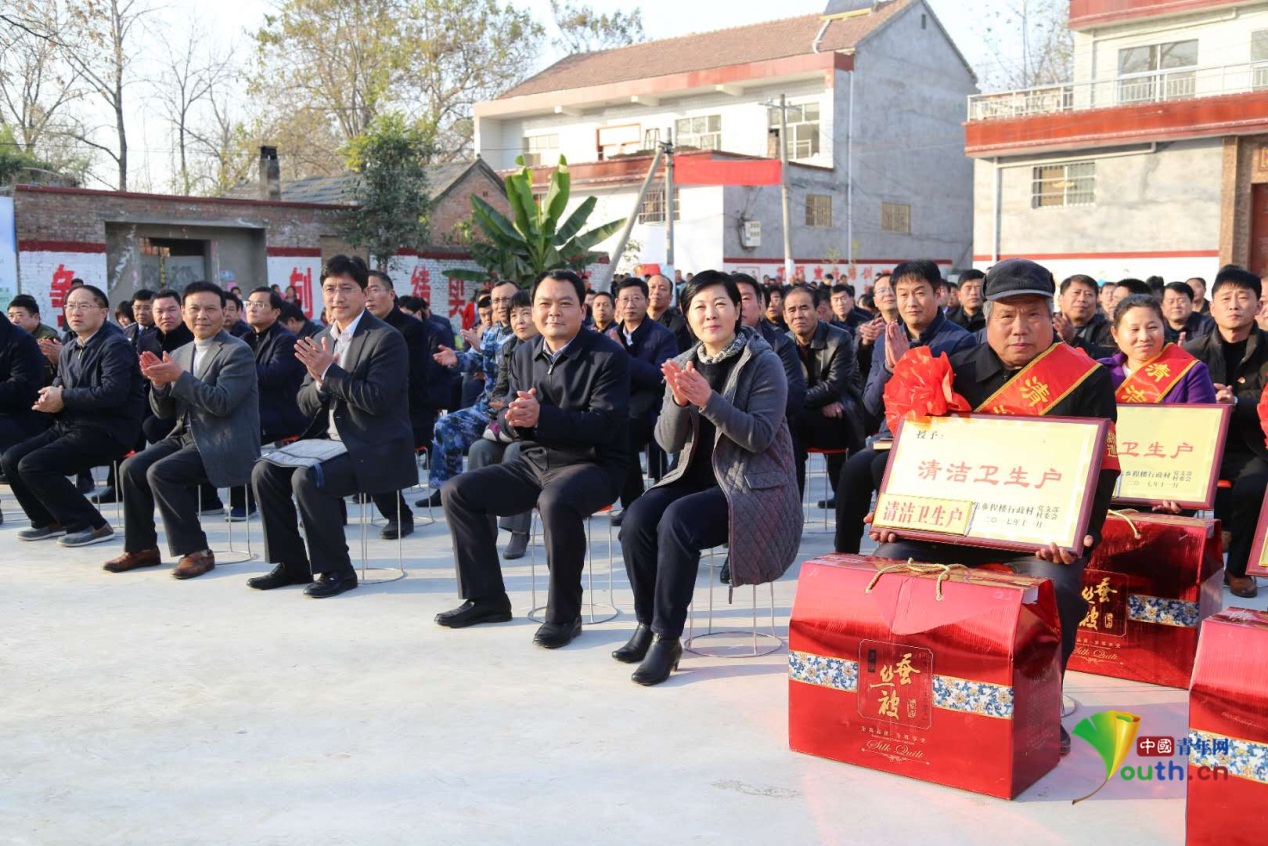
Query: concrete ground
(143,710)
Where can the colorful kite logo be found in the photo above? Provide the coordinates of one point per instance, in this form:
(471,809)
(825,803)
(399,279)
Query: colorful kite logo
(1113,735)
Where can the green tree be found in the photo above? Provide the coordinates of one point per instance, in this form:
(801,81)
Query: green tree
(582,29)
(537,237)
(333,66)
(390,161)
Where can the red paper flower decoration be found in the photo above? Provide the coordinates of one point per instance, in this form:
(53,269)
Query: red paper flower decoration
(1263,410)
(921,388)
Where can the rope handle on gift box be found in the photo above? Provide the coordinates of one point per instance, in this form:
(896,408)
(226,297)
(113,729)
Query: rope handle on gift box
(942,571)
(1122,515)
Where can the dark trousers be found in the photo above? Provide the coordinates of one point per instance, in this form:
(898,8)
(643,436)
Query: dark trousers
(1238,508)
(641,433)
(392,506)
(37,469)
(661,537)
(15,430)
(860,478)
(167,474)
(565,496)
(484,453)
(1067,579)
(812,429)
(318,492)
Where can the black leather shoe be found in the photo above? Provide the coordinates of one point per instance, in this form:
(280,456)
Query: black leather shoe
(474,612)
(636,649)
(555,635)
(517,546)
(330,584)
(390,532)
(432,501)
(106,496)
(662,659)
(279,576)
(724,575)
(828,504)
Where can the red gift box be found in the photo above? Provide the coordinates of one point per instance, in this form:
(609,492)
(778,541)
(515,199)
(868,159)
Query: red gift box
(943,674)
(1228,731)
(1151,582)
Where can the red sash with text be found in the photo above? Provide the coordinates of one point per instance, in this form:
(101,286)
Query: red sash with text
(1039,386)
(1151,382)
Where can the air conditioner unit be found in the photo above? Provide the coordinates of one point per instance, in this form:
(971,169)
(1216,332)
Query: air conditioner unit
(751,234)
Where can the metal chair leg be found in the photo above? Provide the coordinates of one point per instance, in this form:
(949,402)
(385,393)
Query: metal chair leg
(773,642)
(399,572)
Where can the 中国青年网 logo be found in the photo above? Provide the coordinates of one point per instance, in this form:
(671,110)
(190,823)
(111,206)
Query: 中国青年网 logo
(1114,735)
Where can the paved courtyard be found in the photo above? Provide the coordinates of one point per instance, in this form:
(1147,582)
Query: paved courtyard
(143,710)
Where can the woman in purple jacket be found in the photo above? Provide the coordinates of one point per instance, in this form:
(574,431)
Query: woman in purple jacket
(1147,369)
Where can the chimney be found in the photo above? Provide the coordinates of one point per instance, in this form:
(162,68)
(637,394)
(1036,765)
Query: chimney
(270,175)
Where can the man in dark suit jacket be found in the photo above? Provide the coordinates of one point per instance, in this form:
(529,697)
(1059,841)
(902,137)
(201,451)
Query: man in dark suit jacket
(752,313)
(21,377)
(142,316)
(279,372)
(96,401)
(660,297)
(832,417)
(428,388)
(357,394)
(1236,354)
(209,389)
(649,344)
(569,394)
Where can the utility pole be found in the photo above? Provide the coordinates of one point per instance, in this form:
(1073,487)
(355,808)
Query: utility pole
(669,201)
(783,185)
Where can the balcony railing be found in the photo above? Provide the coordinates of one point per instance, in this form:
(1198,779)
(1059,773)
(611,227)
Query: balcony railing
(1180,84)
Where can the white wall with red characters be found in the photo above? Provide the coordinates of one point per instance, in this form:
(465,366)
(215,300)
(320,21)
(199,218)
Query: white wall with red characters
(300,268)
(47,274)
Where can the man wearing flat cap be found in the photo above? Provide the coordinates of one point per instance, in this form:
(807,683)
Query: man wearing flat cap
(1020,345)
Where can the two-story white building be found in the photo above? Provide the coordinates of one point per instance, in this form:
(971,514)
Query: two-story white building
(878,172)
(1152,161)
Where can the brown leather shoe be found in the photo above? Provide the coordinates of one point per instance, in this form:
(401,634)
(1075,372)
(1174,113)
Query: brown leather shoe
(195,564)
(132,560)
(1243,586)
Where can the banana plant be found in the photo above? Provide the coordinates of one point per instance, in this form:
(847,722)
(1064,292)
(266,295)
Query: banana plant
(536,237)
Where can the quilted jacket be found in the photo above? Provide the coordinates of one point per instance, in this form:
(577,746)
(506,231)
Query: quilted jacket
(752,460)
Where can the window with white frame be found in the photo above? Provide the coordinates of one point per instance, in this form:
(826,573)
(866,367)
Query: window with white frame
(703,132)
(818,210)
(896,218)
(1157,72)
(803,130)
(1259,59)
(541,149)
(653,208)
(1072,184)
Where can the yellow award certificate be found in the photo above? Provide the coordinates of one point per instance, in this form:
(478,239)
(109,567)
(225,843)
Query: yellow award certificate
(1170,453)
(989,480)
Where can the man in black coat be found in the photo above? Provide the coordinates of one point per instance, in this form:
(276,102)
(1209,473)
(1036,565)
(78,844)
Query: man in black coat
(1236,354)
(649,344)
(660,297)
(357,395)
(428,388)
(752,311)
(21,377)
(569,395)
(832,414)
(279,374)
(96,402)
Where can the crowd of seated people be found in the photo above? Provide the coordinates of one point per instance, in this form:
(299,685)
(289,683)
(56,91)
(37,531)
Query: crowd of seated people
(573,397)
